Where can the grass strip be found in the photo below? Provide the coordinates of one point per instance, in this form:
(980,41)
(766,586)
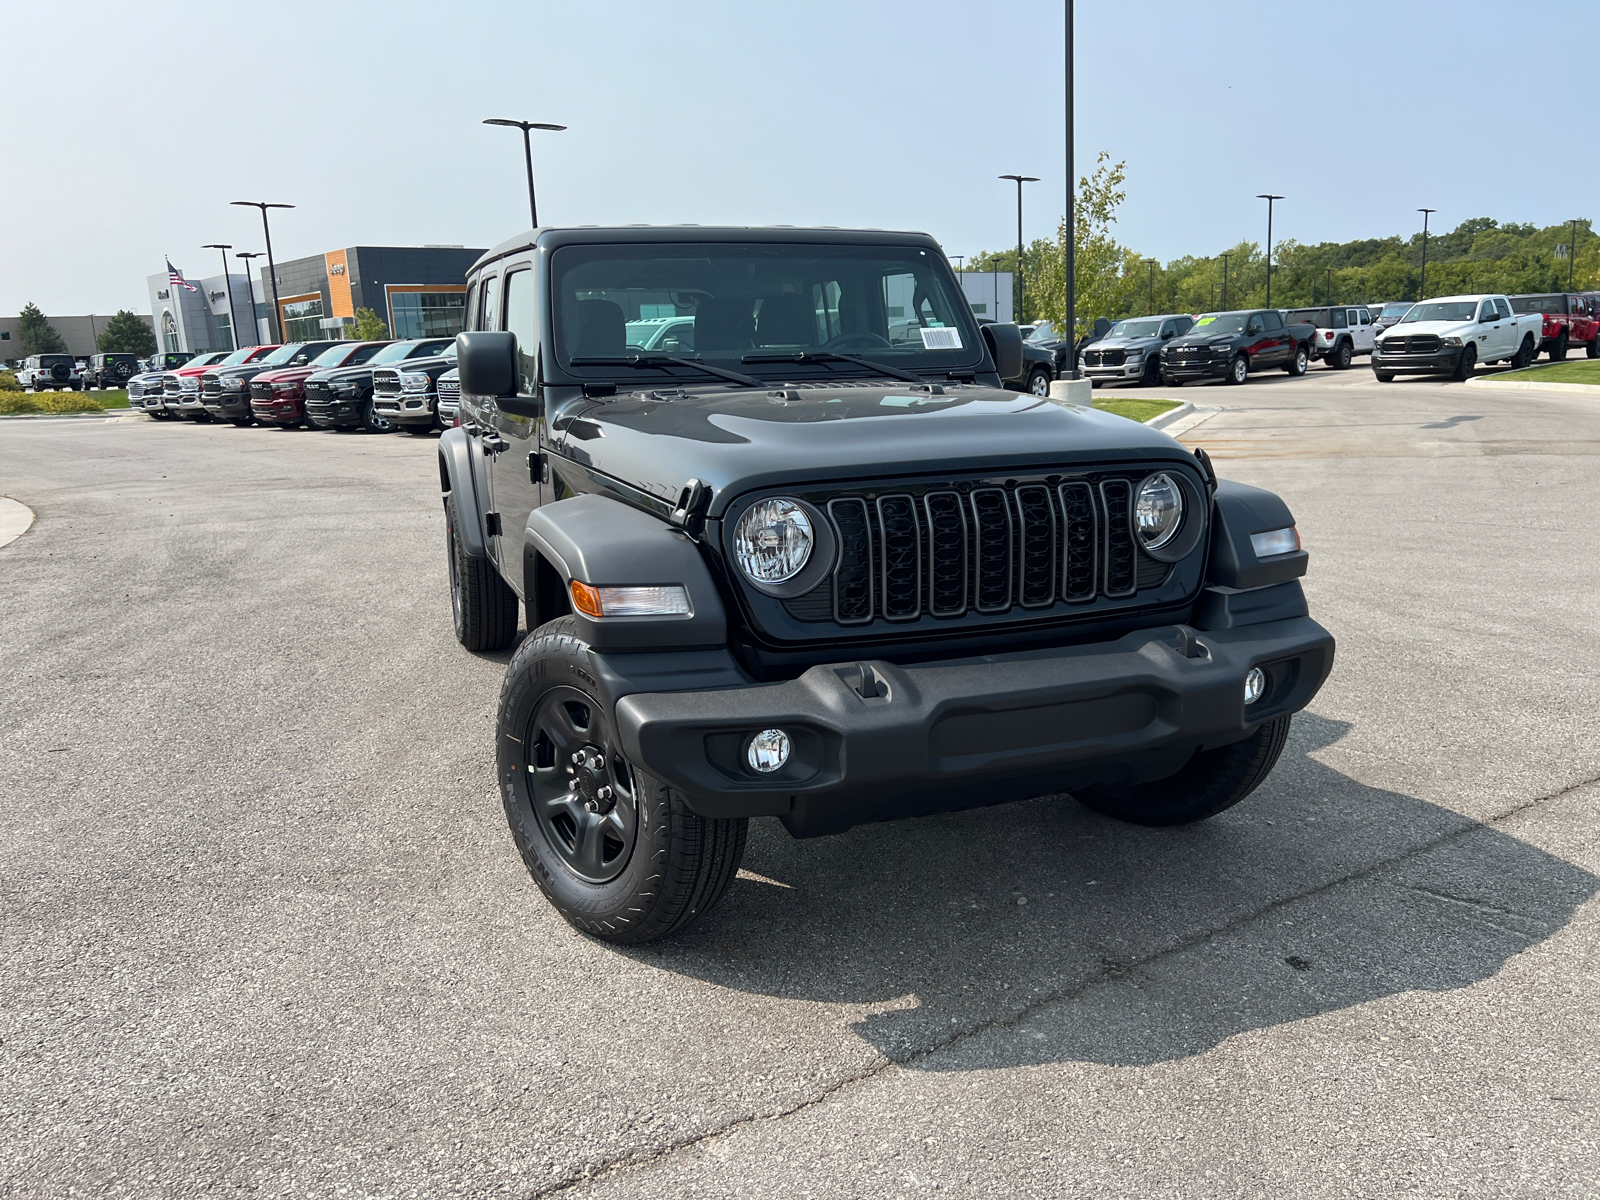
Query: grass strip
(1582,371)
(1135,408)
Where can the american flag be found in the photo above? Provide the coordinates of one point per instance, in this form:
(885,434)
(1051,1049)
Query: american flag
(175,278)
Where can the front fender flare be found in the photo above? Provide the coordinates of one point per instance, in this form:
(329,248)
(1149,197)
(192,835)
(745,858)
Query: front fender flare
(455,480)
(605,543)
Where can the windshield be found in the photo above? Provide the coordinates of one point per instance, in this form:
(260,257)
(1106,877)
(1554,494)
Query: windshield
(1221,323)
(393,352)
(1397,310)
(334,356)
(1538,304)
(1452,310)
(232,360)
(1043,332)
(733,302)
(1135,329)
(281,355)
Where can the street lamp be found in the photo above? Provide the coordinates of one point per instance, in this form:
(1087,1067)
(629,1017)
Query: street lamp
(251,285)
(1572,254)
(1422,287)
(1269,198)
(1225,258)
(1152,265)
(1017,289)
(272,269)
(1072,220)
(960,262)
(527,153)
(227,278)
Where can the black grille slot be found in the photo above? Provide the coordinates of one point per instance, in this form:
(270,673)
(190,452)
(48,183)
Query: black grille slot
(992,530)
(1078,542)
(1036,522)
(1121,570)
(1104,358)
(852,580)
(947,554)
(386,382)
(902,558)
(260,391)
(1152,573)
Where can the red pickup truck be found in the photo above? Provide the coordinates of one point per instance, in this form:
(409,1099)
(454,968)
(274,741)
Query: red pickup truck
(1569,320)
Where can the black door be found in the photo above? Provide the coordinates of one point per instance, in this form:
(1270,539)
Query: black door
(517,467)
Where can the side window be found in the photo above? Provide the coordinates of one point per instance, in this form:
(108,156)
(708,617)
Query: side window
(1273,320)
(1503,308)
(1184,325)
(1486,311)
(522,319)
(1366,316)
(471,313)
(1254,325)
(1338,321)
(488,318)
(1167,329)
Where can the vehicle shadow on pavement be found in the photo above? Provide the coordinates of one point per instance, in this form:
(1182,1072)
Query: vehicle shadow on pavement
(1041,932)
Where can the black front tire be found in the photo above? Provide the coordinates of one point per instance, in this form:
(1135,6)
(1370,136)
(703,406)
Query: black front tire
(1559,350)
(1238,370)
(1039,381)
(1299,362)
(372,422)
(1211,781)
(1340,359)
(1593,350)
(1467,363)
(1525,354)
(483,606)
(644,868)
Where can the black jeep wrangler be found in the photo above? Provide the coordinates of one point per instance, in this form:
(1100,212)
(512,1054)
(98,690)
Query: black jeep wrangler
(110,370)
(820,570)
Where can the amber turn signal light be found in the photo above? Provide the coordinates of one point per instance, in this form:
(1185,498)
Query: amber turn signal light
(585,599)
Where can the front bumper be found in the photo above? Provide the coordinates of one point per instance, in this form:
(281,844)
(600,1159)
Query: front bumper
(407,408)
(1133,370)
(231,405)
(1440,362)
(341,411)
(1208,369)
(278,410)
(972,731)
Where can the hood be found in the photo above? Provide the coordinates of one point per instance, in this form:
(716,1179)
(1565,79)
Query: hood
(1131,343)
(1436,327)
(433,363)
(283,374)
(361,371)
(740,439)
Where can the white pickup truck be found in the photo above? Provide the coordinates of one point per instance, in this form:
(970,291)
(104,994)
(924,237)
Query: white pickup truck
(1453,334)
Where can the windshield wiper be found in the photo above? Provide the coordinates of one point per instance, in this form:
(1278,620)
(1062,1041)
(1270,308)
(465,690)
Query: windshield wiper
(831,356)
(658,360)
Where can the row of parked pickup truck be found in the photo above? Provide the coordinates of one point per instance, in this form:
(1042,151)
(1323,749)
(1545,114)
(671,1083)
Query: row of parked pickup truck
(376,386)
(1450,335)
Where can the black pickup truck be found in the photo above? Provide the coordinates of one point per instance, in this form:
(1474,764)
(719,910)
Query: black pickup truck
(811,572)
(1230,345)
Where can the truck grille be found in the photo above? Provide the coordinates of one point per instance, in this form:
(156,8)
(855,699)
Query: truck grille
(211,389)
(260,391)
(950,550)
(169,386)
(1420,343)
(1104,358)
(449,389)
(385,382)
(1187,355)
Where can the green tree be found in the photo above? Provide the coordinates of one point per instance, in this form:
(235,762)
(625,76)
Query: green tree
(1106,273)
(127,333)
(36,334)
(369,327)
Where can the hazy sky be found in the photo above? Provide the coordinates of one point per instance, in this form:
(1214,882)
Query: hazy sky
(129,127)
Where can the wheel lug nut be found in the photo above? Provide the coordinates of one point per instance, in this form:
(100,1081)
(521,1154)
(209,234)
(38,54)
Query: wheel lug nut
(577,756)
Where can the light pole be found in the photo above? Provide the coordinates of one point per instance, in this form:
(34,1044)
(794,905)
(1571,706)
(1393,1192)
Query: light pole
(960,261)
(1422,287)
(1225,258)
(1152,265)
(1072,220)
(1572,254)
(1017,289)
(527,153)
(1269,198)
(227,279)
(251,285)
(272,269)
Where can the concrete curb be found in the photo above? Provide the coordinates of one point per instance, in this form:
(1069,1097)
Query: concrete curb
(1528,385)
(1171,416)
(102,414)
(15,518)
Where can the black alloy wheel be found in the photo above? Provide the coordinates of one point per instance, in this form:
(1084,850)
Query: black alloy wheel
(580,788)
(1152,371)
(1467,362)
(1238,370)
(1341,357)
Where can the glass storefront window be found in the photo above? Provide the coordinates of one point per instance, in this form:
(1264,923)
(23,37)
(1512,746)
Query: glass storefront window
(224,325)
(428,314)
(302,321)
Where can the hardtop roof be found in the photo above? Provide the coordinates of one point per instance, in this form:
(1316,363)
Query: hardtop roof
(551,237)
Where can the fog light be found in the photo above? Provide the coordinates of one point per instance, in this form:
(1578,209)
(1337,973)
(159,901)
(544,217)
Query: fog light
(1255,685)
(767,751)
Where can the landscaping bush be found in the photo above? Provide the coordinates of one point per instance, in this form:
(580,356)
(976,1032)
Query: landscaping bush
(8,382)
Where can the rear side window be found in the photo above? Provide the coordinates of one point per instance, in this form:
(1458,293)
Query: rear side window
(1502,307)
(1272,319)
(1184,325)
(522,319)
(488,317)
(1339,321)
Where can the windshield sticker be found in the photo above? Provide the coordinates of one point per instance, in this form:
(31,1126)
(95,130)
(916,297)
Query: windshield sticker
(1205,320)
(944,338)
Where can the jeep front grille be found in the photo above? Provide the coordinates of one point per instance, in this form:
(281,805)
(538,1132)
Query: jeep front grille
(948,550)
(385,382)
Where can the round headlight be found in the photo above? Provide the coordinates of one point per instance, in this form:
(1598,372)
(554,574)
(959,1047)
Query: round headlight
(773,541)
(1158,511)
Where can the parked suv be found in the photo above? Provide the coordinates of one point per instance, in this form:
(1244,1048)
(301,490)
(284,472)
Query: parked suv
(1230,345)
(342,398)
(110,370)
(225,391)
(1131,350)
(278,396)
(1453,334)
(1343,331)
(1567,321)
(47,372)
(812,573)
(406,393)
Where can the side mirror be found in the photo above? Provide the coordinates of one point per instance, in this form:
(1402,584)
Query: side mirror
(1005,347)
(487,363)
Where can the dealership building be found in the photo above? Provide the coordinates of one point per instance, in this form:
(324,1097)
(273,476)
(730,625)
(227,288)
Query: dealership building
(418,291)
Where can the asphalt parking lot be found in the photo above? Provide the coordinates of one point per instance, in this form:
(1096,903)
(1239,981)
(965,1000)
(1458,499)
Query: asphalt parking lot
(264,932)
